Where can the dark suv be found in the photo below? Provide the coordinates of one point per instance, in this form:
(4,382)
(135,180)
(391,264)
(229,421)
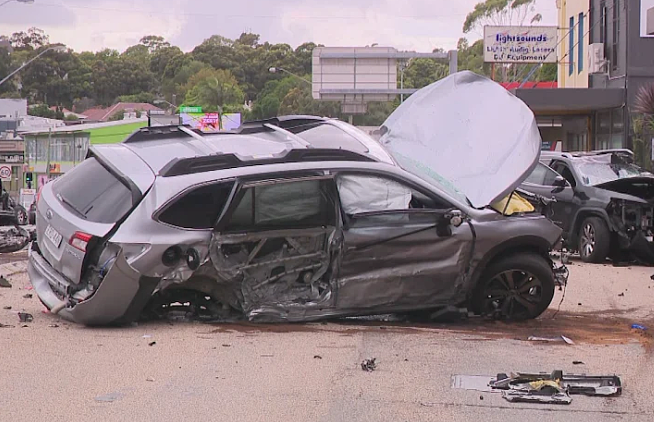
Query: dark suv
(604,203)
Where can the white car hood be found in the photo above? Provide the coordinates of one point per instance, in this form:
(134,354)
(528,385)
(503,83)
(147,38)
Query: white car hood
(470,131)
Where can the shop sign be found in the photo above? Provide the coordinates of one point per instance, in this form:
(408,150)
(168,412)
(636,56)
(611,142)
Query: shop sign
(12,158)
(520,44)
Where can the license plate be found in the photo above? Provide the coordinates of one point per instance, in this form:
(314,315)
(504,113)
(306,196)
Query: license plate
(53,236)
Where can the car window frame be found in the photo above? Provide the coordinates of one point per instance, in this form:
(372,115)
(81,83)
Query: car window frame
(252,181)
(547,169)
(156,215)
(569,166)
(348,220)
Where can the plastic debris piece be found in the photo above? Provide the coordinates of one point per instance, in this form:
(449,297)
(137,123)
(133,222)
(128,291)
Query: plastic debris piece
(149,379)
(146,336)
(638,327)
(5,325)
(4,282)
(317,357)
(53,325)
(25,317)
(567,340)
(369,365)
(577,362)
(6,307)
(621,294)
(108,398)
(152,343)
(27,296)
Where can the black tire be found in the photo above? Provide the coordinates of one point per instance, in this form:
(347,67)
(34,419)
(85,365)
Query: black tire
(518,287)
(594,240)
(22,217)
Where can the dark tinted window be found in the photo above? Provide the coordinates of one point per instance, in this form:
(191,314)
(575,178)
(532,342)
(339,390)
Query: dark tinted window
(199,208)
(90,191)
(295,204)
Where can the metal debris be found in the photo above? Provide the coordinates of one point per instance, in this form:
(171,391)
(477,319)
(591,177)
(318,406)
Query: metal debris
(317,357)
(577,362)
(27,296)
(4,282)
(152,343)
(551,339)
(53,325)
(6,307)
(369,365)
(25,317)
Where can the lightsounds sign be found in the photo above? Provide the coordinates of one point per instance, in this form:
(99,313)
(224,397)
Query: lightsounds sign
(520,44)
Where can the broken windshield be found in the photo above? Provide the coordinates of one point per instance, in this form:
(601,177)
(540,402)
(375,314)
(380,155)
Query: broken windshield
(598,170)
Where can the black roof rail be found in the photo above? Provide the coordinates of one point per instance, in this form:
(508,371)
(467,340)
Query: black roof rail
(159,132)
(285,122)
(192,165)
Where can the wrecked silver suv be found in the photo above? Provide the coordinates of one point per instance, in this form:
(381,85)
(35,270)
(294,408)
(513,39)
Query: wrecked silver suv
(299,218)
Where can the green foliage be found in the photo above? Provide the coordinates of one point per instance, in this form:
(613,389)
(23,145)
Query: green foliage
(213,88)
(499,12)
(42,110)
(141,97)
(119,115)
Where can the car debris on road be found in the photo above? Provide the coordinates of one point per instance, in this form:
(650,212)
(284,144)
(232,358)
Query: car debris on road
(547,388)
(369,365)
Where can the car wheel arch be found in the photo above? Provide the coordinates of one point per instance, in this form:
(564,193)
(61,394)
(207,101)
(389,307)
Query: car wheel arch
(582,215)
(522,244)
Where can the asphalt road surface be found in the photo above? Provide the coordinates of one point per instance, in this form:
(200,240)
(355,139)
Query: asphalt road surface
(55,371)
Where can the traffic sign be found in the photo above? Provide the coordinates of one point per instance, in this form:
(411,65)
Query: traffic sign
(5,172)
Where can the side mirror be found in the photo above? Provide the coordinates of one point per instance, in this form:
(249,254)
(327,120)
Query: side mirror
(559,184)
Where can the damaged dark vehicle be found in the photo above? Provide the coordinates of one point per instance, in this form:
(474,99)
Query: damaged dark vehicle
(604,204)
(301,218)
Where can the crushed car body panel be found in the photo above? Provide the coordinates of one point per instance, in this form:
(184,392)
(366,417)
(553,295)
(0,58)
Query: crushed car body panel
(447,124)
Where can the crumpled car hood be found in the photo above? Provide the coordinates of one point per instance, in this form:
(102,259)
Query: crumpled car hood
(469,130)
(641,187)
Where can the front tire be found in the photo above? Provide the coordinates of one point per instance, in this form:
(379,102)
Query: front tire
(518,287)
(594,240)
(21,216)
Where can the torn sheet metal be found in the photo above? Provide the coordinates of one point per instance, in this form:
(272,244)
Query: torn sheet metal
(588,385)
(275,268)
(466,119)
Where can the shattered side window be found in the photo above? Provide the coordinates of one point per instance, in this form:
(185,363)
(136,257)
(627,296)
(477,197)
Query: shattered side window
(199,208)
(295,204)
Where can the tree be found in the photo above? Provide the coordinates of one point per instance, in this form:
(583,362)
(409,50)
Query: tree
(503,13)
(119,115)
(499,13)
(33,39)
(154,42)
(422,72)
(210,88)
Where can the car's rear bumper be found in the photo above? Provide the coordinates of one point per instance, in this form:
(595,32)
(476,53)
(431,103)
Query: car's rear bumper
(121,294)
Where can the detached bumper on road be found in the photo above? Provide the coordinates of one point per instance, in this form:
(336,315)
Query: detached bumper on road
(121,293)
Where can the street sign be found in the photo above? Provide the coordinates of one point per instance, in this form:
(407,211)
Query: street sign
(189,109)
(5,172)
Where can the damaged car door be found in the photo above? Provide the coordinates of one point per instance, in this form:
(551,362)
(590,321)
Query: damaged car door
(403,248)
(276,243)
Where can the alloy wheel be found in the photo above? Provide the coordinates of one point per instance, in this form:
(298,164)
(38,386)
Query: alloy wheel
(587,240)
(512,294)
(22,218)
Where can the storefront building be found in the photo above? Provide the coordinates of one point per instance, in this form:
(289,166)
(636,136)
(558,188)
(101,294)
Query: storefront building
(11,165)
(605,56)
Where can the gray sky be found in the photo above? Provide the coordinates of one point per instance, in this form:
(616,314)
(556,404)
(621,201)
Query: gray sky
(420,25)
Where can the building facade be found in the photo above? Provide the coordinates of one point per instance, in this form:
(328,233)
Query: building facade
(605,57)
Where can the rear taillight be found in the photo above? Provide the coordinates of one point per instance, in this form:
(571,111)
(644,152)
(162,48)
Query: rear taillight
(80,241)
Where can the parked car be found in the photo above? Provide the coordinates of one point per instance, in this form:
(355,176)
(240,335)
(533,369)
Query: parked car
(603,203)
(301,218)
(11,212)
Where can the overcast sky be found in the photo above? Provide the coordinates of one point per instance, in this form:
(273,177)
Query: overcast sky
(420,25)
